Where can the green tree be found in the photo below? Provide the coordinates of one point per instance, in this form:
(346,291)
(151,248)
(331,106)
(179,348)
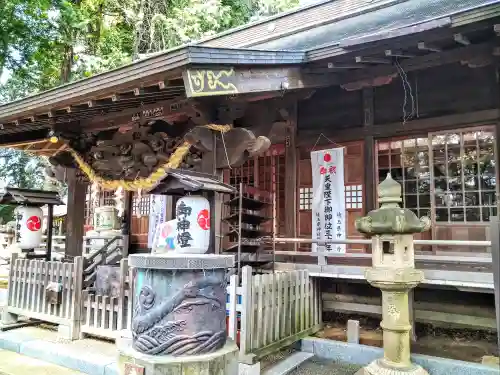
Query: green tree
(44,43)
(23,25)
(18,169)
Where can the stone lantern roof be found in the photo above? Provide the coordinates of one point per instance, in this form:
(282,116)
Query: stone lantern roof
(390,218)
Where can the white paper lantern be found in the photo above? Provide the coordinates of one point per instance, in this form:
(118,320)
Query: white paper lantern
(28,227)
(193,225)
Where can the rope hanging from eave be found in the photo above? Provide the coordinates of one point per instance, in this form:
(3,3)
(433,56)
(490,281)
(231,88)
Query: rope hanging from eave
(142,183)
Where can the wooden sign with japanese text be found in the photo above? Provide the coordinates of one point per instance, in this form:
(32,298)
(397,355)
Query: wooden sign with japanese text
(230,81)
(328,201)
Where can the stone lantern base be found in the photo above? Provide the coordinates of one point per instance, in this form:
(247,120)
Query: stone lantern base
(221,362)
(379,367)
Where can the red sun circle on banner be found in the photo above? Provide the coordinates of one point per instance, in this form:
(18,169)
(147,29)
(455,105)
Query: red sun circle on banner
(327,158)
(34,223)
(204,219)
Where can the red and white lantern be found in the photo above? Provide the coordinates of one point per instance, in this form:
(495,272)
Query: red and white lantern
(193,225)
(28,227)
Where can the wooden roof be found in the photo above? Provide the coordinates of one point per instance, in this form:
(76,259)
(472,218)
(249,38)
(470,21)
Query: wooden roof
(337,42)
(29,197)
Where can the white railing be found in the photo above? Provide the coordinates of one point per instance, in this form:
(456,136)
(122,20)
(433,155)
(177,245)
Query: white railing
(274,311)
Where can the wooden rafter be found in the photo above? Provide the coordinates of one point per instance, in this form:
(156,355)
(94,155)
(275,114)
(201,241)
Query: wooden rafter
(42,147)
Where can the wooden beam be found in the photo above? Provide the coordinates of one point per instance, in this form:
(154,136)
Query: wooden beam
(418,63)
(204,82)
(166,109)
(396,53)
(291,182)
(372,60)
(428,47)
(369,150)
(414,127)
(346,66)
(461,39)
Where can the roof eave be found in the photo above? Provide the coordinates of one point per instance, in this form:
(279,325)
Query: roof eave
(136,73)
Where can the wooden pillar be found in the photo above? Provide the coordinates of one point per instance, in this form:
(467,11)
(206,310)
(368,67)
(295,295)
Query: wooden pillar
(495,220)
(291,211)
(50,229)
(369,151)
(208,166)
(75,219)
(495,255)
(128,197)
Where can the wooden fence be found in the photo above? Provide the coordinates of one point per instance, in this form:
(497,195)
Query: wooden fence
(266,312)
(28,294)
(107,316)
(273,311)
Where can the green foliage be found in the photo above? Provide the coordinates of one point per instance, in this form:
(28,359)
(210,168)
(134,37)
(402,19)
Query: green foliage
(6,213)
(23,25)
(44,43)
(18,169)
(76,39)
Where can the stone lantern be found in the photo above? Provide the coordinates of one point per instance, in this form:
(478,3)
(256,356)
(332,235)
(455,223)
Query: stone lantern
(393,272)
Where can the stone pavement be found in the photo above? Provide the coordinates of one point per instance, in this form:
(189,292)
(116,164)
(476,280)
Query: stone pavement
(88,356)
(15,364)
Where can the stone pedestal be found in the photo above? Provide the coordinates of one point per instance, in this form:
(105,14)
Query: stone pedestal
(223,361)
(179,304)
(393,272)
(395,286)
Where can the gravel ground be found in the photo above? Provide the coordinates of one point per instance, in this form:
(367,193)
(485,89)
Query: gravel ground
(273,359)
(316,366)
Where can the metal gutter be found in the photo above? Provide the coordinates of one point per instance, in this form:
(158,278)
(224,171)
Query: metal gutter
(137,73)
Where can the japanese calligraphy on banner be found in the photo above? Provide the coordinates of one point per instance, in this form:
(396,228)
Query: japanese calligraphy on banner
(157,215)
(328,203)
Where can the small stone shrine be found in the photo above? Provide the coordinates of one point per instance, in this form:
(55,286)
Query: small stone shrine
(179,298)
(393,272)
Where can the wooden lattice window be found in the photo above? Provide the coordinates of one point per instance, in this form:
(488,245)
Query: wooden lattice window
(448,176)
(305,198)
(140,206)
(464,176)
(407,161)
(354,196)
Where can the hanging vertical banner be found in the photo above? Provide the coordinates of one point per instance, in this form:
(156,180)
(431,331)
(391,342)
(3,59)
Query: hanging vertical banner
(328,201)
(157,215)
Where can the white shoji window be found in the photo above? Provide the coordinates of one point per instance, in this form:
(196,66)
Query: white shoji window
(354,196)
(305,198)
